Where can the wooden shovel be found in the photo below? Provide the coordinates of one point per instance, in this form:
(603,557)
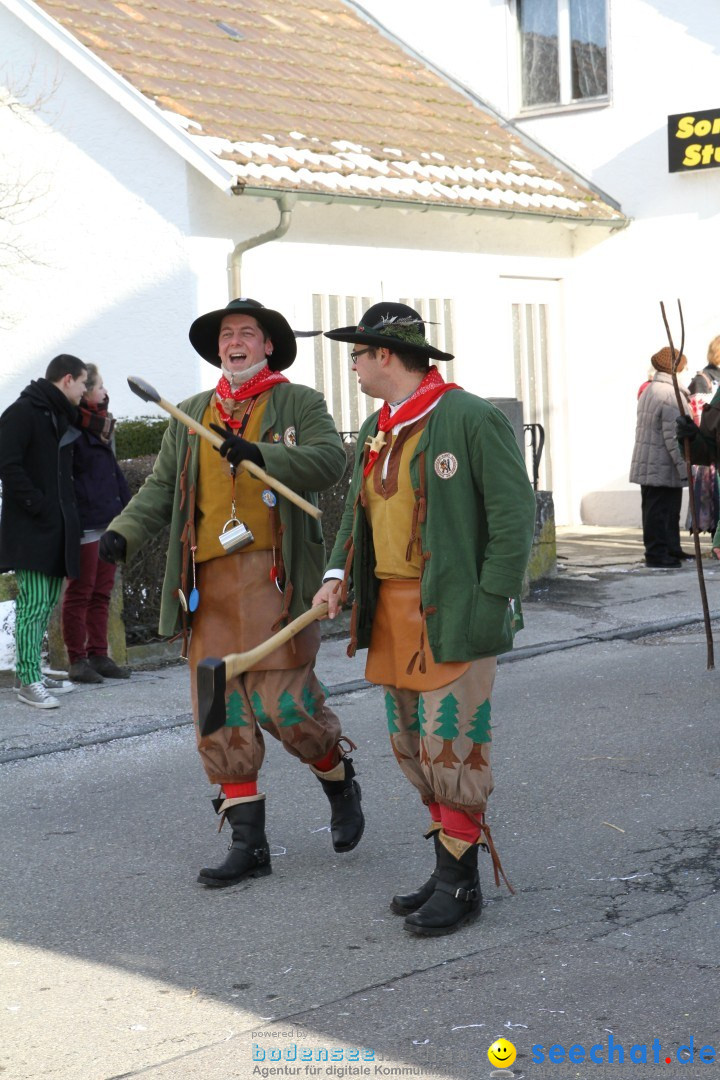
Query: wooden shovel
(148,393)
(213,673)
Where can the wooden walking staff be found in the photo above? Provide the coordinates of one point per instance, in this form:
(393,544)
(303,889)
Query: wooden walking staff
(676,356)
(149,393)
(213,673)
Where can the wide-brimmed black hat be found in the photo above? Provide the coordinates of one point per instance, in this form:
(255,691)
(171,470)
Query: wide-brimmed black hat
(388,326)
(205,331)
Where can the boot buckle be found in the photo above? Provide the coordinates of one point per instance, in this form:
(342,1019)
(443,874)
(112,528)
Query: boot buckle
(466,895)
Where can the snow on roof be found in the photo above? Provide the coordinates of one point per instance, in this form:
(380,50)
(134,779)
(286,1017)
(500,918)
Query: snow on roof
(316,100)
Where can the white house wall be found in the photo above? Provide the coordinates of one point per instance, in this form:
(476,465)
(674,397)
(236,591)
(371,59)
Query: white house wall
(664,60)
(135,243)
(110,234)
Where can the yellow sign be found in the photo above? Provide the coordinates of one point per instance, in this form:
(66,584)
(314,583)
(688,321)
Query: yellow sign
(694,141)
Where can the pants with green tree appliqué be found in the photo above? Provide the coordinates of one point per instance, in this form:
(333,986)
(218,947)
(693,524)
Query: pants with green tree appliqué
(441,738)
(288,704)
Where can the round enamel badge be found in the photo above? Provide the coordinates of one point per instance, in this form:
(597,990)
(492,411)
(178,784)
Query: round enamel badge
(290,438)
(446,465)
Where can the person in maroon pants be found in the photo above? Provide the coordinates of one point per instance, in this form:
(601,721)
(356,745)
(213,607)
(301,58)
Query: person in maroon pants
(101,492)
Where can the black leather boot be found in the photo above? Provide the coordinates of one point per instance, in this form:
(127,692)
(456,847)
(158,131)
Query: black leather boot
(406,903)
(249,854)
(455,899)
(347,822)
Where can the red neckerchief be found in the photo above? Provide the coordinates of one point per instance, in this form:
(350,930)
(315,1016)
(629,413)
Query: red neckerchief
(227,398)
(430,389)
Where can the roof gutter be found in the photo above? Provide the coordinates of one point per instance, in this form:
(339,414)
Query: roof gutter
(613,224)
(285,206)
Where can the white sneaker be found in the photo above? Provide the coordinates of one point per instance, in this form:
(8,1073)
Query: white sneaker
(37,695)
(57,686)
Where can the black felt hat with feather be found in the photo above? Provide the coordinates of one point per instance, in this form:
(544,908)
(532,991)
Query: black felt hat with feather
(390,326)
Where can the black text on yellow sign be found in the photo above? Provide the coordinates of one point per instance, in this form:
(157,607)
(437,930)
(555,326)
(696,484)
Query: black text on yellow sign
(694,141)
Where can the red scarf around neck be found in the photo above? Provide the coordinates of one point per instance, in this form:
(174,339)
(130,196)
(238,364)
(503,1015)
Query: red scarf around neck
(430,389)
(227,397)
(97,419)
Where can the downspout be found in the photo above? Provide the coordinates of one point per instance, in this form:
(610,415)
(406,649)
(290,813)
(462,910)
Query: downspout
(285,205)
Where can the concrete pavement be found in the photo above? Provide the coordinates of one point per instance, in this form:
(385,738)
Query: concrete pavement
(602,591)
(115,964)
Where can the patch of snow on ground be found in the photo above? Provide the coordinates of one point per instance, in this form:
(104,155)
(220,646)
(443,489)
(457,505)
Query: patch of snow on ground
(7,635)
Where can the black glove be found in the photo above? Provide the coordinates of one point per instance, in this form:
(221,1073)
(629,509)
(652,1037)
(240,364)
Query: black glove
(113,547)
(237,449)
(685,428)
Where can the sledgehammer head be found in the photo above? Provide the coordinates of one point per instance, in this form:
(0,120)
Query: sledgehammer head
(143,389)
(211,695)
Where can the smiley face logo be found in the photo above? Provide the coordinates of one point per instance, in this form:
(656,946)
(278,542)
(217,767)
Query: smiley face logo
(502,1053)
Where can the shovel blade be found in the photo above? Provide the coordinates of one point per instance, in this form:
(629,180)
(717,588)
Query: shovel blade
(210,676)
(143,389)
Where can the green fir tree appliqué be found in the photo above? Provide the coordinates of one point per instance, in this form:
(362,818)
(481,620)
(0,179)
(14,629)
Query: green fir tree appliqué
(257,706)
(479,732)
(235,711)
(310,703)
(447,730)
(420,717)
(290,711)
(392,715)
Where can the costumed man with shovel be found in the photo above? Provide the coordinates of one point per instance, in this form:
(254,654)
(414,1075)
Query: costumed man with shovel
(242,561)
(435,536)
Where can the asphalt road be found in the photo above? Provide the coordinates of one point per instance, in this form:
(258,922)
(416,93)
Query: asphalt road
(115,963)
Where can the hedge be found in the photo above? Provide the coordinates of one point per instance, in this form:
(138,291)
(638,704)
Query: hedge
(139,437)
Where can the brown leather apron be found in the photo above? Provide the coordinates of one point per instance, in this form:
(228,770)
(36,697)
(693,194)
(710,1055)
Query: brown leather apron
(396,633)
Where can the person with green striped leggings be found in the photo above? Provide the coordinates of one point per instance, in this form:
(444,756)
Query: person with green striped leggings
(39,523)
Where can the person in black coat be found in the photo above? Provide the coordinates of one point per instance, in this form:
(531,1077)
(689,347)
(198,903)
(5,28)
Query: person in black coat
(102,492)
(39,523)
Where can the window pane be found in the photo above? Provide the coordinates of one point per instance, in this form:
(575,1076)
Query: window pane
(539,51)
(589,48)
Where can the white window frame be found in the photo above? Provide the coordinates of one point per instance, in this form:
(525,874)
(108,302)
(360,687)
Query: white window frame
(566,102)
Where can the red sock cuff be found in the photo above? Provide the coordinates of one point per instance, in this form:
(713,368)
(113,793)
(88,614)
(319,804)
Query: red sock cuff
(461,825)
(325,764)
(240,791)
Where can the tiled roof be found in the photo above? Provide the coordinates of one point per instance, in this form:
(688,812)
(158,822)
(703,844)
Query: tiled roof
(308,97)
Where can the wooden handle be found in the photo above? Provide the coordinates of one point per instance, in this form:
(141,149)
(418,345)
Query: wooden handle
(236,663)
(250,466)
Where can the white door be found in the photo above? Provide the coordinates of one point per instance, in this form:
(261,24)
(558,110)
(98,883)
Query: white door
(534,330)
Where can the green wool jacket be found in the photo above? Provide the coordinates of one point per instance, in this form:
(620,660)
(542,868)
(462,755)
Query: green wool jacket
(478,530)
(316,461)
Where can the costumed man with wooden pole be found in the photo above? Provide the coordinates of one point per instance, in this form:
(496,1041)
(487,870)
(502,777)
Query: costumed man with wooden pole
(435,538)
(243,560)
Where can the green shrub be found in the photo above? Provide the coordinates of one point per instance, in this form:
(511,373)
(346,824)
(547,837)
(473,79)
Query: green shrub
(139,437)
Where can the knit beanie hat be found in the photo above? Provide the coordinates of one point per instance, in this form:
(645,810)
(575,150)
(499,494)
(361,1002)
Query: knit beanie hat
(663,361)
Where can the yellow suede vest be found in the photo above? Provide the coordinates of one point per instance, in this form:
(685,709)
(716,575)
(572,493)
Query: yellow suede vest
(214,492)
(390,506)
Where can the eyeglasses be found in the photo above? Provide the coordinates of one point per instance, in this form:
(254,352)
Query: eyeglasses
(360,352)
